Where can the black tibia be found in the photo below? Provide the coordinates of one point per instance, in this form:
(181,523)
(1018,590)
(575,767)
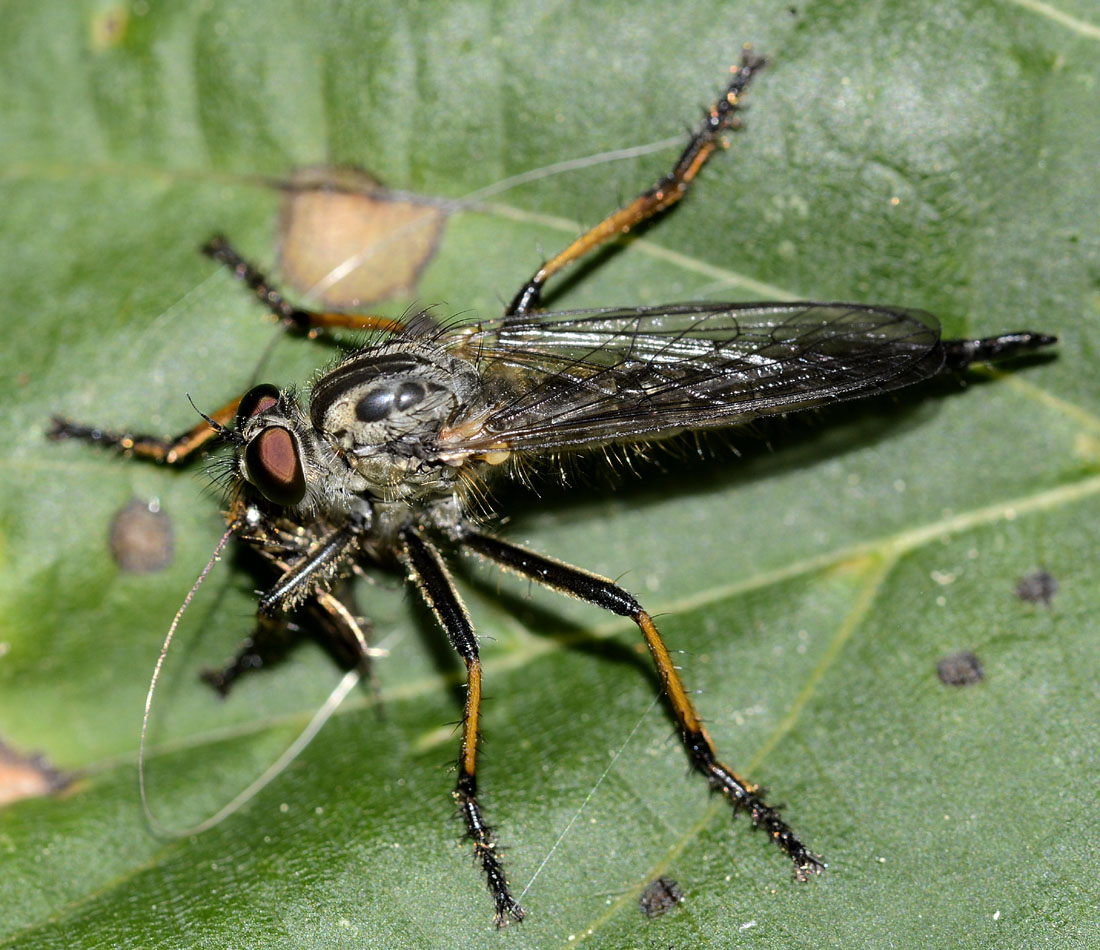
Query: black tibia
(663,195)
(171,451)
(604,593)
(310,322)
(959,354)
(427,571)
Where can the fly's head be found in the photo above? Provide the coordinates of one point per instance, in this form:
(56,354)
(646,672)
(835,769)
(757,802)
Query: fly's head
(282,458)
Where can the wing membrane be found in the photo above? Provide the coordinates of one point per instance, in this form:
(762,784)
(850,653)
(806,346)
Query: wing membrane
(588,377)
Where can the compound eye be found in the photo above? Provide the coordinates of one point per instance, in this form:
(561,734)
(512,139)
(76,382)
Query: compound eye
(375,405)
(258,399)
(274,466)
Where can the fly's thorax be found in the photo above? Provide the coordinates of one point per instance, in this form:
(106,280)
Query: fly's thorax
(381,412)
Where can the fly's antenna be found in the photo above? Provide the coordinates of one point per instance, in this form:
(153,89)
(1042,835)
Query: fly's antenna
(149,816)
(229,435)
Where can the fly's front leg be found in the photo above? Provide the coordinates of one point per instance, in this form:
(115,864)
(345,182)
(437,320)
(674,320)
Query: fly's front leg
(268,643)
(170,451)
(328,620)
(302,581)
(427,571)
(307,576)
(662,196)
(601,592)
(311,323)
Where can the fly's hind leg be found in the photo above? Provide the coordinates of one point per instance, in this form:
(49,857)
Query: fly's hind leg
(428,573)
(743,795)
(721,117)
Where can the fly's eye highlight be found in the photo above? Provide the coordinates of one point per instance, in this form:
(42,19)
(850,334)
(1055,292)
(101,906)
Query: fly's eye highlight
(258,399)
(274,465)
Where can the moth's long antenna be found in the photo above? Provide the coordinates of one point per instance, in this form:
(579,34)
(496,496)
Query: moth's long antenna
(156,825)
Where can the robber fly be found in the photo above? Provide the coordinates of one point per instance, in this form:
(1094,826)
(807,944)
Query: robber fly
(386,460)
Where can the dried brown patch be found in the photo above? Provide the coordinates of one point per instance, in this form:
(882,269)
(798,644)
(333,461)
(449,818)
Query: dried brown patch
(26,776)
(346,242)
(141,538)
(108,26)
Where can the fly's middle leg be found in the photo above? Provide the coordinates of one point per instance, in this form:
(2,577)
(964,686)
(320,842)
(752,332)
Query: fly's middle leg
(312,323)
(434,583)
(174,450)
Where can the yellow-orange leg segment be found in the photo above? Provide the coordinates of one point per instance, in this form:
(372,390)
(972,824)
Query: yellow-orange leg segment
(310,322)
(662,196)
(428,573)
(604,593)
(171,451)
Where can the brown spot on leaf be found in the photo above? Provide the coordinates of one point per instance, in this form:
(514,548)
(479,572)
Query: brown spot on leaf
(960,669)
(1037,587)
(345,242)
(26,776)
(141,538)
(108,26)
(660,896)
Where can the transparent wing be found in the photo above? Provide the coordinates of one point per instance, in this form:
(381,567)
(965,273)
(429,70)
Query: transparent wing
(589,377)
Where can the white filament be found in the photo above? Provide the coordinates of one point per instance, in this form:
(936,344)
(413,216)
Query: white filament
(320,717)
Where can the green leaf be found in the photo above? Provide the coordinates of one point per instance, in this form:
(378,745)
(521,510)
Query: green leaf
(936,155)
